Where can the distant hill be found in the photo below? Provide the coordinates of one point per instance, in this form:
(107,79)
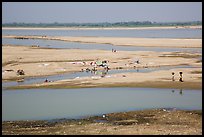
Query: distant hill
(104,24)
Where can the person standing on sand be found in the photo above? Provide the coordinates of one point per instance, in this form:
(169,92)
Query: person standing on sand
(173,76)
(181,78)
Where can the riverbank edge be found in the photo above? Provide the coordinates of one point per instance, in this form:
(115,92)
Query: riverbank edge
(146,84)
(130,120)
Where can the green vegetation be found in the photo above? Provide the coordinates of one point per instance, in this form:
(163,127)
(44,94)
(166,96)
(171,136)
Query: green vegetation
(104,24)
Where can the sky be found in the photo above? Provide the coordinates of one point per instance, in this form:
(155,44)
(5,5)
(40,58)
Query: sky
(93,12)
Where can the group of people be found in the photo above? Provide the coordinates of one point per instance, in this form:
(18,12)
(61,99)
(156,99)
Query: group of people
(180,78)
(46,80)
(20,72)
(113,50)
(96,64)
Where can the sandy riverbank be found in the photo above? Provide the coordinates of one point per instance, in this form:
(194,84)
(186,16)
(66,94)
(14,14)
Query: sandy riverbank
(101,28)
(144,122)
(157,79)
(36,61)
(121,41)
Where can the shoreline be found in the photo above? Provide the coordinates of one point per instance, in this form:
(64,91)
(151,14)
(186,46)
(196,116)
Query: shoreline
(103,28)
(156,84)
(166,121)
(122,41)
(127,81)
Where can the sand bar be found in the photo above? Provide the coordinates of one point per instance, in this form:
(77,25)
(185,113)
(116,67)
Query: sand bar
(156,79)
(36,61)
(121,41)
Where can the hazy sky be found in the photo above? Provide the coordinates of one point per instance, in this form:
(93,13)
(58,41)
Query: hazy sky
(81,12)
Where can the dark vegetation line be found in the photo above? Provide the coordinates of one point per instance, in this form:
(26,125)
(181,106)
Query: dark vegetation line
(104,24)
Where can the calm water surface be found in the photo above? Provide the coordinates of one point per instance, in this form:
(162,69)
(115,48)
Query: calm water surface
(47,104)
(157,33)
(91,46)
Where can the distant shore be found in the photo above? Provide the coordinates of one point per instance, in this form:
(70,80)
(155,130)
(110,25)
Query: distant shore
(101,28)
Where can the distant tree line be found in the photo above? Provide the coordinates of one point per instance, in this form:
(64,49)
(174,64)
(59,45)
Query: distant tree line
(104,24)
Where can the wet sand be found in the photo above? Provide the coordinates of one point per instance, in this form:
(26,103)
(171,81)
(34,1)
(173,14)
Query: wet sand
(144,122)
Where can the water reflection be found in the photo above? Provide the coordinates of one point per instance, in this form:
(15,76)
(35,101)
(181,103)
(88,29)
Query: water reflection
(33,104)
(180,92)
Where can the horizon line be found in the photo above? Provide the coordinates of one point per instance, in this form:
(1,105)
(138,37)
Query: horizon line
(102,22)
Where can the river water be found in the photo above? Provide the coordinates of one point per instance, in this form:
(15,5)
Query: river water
(46,104)
(156,33)
(91,46)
